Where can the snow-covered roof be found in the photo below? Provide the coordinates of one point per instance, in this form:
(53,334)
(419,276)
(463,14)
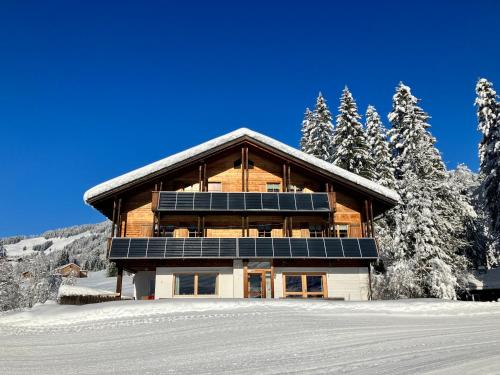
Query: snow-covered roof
(170,161)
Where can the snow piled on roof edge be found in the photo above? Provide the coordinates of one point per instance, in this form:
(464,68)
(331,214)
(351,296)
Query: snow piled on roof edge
(206,146)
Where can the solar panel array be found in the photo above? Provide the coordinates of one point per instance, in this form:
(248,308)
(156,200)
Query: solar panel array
(217,201)
(241,248)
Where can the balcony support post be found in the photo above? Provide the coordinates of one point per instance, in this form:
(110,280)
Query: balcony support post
(119,279)
(113,226)
(118,219)
(371,218)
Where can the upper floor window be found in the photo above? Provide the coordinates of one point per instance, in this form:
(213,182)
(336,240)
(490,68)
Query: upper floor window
(264,230)
(316,230)
(215,186)
(193,231)
(272,187)
(342,230)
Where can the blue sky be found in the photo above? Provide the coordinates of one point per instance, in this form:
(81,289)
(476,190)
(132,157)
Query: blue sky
(90,90)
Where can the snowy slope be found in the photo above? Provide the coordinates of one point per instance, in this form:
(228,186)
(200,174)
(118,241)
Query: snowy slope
(242,336)
(17,249)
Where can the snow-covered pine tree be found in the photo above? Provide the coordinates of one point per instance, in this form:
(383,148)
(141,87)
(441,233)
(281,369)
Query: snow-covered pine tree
(350,143)
(427,227)
(9,286)
(488,114)
(307,125)
(379,148)
(317,131)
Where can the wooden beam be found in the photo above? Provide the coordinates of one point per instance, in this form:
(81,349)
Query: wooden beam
(283,179)
(367,218)
(113,226)
(242,168)
(371,218)
(119,280)
(119,232)
(289,176)
(200,172)
(242,226)
(205,177)
(246,167)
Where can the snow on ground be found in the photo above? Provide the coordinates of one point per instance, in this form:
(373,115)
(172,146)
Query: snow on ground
(58,243)
(244,336)
(98,280)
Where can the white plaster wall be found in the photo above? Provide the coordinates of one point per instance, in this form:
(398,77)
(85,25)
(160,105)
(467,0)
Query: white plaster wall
(141,283)
(238,290)
(165,281)
(350,283)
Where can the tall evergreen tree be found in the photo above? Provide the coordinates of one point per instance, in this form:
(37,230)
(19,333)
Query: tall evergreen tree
(488,114)
(317,131)
(379,148)
(350,143)
(427,227)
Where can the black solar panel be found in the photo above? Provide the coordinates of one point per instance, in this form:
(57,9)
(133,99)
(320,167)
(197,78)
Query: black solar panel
(351,247)
(253,201)
(185,201)
(219,202)
(316,248)
(210,247)
(264,247)
(304,202)
(246,247)
(237,201)
(320,202)
(270,202)
(156,247)
(299,247)
(119,248)
(202,201)
(167,200)
(287,201)
(192,247)
(228,247)
(368,248)
(282,248)
(333,248)
(174,247)
(137,247)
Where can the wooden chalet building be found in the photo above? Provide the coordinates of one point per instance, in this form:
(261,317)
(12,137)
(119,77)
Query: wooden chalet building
(243,215)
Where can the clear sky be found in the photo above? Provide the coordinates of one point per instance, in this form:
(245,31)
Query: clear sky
(90,90)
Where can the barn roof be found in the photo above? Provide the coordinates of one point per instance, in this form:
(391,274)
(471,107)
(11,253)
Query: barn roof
(151,170)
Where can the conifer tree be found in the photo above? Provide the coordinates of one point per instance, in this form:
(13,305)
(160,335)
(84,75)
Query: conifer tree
(379,148)
(488,114)
(317,131)
(350,142)
(427,226)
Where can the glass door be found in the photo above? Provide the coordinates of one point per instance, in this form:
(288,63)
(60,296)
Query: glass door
(256,288)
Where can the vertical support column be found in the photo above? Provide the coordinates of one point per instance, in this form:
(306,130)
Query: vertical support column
(200,176)
(203,229)
(371,218)
(242,226)
(243,168)
(246,168)
(285,226)
(119,220)
(367,219)
(119,280)
(198,228)
(248,226)
(205,177)
(289,176)
(369,281)
(284,182)
(113,226)
(290,226)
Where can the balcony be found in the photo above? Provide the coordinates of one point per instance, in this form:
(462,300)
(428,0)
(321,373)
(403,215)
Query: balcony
(243,248)
(213,202)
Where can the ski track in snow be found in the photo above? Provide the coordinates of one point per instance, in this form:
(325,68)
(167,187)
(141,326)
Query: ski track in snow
(247,337)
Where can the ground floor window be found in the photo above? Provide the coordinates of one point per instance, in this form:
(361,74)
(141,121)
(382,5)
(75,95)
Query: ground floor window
(195,284)
(304,285)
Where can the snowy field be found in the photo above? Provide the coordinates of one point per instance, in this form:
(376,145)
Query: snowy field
(98,280)
(241,336)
